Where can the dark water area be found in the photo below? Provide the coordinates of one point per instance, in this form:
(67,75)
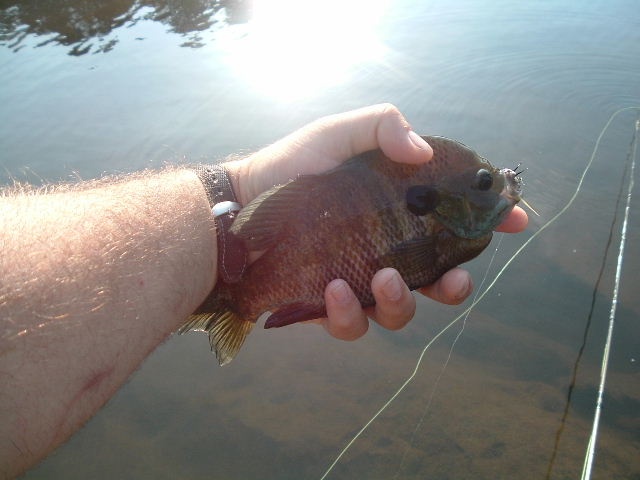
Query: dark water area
(94,88)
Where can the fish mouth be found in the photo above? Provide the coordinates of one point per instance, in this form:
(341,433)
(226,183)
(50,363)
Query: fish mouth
(510,194)
(512,190)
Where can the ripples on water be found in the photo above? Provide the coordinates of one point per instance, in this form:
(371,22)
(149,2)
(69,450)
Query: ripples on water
(90,27)
(120,86)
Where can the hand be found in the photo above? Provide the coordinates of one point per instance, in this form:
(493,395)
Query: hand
(324,144)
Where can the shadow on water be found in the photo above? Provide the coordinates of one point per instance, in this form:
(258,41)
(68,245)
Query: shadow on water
(87,26)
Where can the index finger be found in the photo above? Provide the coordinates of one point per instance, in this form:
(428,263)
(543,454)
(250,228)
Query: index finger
(515,222)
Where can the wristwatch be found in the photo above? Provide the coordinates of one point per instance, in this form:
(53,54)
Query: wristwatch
(232,254)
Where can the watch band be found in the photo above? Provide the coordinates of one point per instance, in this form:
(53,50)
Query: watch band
(232,254)
(216,183)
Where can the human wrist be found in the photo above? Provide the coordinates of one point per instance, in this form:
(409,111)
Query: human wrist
(232,254)
(240,179)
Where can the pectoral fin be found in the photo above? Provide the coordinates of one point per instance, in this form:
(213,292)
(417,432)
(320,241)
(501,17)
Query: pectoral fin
(411,257)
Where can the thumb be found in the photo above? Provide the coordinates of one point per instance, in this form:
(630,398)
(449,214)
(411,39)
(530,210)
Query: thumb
(327,142)
(377,126)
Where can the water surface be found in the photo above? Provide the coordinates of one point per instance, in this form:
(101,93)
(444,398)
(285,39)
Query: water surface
(90,90)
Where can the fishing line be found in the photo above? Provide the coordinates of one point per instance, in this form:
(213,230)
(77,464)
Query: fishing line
(587,328)
(591,446)
(522,247)
(446,362)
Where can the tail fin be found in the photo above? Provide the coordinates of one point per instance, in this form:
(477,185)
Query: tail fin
(227,331)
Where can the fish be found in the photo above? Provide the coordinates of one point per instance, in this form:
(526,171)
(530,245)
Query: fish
(364,215)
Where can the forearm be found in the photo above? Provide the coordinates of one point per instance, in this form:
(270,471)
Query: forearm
(91,281)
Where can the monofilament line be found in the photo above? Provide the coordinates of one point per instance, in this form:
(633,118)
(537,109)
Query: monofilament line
(446,362)
(593,438)
(482,295)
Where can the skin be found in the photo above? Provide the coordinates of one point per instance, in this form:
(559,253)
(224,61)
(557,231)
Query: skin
(93,277)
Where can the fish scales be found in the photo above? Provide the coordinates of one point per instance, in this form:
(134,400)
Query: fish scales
(335,239)
(348,223)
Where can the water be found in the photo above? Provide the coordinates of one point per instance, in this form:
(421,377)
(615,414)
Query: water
(141,84)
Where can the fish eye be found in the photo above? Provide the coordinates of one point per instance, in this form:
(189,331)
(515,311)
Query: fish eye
(483,180)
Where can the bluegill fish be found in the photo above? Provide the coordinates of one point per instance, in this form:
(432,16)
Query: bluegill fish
(366,214)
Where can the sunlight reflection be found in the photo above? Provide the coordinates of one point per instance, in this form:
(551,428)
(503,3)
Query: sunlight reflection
(293,48)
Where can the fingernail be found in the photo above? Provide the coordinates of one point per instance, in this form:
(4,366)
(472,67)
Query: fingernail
(392,290)
(465,291)
(340,292)
(418,141)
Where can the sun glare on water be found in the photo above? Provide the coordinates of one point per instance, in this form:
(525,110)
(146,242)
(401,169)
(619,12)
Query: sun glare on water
(292,49)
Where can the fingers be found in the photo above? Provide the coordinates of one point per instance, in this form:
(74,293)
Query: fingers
(395,305)
(451,289)
(515,222)
(345,318)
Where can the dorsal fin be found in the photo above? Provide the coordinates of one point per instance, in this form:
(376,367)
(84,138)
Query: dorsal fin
(259,223)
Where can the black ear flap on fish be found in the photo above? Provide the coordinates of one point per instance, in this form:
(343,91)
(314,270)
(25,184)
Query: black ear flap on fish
(422,199)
